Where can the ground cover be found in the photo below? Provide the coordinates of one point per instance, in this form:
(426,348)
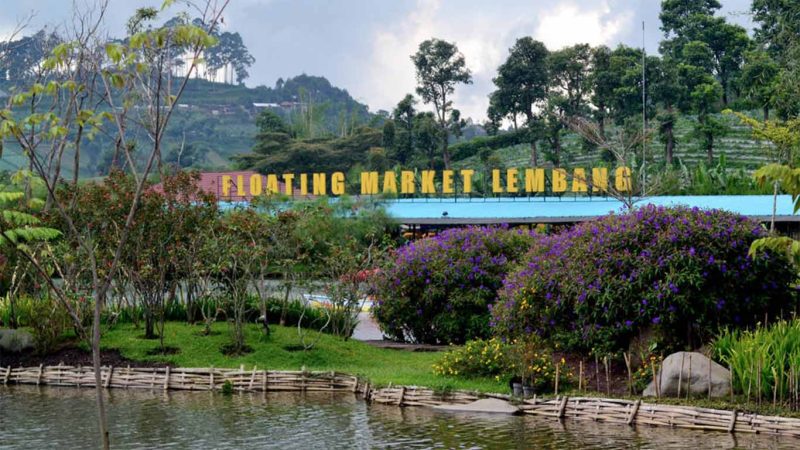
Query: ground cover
(279,352)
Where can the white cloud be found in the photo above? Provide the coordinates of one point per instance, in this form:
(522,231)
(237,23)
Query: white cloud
(568,24)
(387,74)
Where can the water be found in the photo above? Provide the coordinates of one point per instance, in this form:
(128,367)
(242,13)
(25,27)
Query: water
(64,418)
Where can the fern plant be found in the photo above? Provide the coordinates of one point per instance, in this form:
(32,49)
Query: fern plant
(18,227)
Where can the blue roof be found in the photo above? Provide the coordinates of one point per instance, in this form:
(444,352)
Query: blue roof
(444,211)
(569,209)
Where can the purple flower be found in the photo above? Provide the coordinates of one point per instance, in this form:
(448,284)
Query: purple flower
(656,320)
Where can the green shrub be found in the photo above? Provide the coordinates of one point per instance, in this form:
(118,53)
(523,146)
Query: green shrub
(681,273)
(773,351)
(486,358)
(47,319)
(437,290)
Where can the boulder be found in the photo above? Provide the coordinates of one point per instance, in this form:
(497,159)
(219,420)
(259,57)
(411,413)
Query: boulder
(15,341)
(484,405)
(696,382)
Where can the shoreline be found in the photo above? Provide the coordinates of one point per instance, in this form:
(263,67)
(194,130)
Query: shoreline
(606,410)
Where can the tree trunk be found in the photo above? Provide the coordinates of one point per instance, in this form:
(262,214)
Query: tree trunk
(710,149)
(670,145)
(534,155)
(96,363)
(766,113)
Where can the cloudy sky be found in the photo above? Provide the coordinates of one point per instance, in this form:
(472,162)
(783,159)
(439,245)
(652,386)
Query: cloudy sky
(364,45)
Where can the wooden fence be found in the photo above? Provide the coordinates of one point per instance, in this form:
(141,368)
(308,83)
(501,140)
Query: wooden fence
(629,412)
(182,379)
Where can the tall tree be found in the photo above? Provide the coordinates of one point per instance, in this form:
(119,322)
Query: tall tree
(403,117)
(778,22)
(758,80)
(570,87)
(440,67)
(522,85)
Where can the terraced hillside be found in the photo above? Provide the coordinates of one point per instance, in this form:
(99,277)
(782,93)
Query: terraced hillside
(739,147)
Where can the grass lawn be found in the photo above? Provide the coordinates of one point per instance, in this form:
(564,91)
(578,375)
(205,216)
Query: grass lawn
(380,366)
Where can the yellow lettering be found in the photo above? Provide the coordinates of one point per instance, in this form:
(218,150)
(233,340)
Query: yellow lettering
(255,185)
(272,184)
(559,180)
(303,184)
(511,180)
(534,180)
(466,176)
(427,182)
(369,183)
(240,185)
(319,180)
(287,183)
(389,182)
(407,185)
(622,179)
(447,182)
(337,183)
(226,185)
(496,188)
(599,179)
(579,180)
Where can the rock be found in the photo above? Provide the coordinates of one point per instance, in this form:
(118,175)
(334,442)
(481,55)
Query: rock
(15,341)
(484,405)
(697,383)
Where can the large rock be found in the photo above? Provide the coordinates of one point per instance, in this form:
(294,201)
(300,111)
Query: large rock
(696,382)
(15,341)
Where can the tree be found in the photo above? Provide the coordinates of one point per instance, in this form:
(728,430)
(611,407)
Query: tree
(758,80)
(132,70)
(230,51)
(522,85)
(778,24)
(668,93)
(440,67)
(676,14)
(403,118)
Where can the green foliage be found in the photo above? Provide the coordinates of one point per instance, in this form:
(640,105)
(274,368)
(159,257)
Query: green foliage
(437,290)
(680,272)
(765,358)
(479,357)
(47,319)
(473,147)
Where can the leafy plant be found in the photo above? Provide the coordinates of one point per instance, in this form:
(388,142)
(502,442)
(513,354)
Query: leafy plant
(437,290)
(679,272)
(479,357)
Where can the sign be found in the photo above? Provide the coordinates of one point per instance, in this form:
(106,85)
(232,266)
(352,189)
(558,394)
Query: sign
(427,182)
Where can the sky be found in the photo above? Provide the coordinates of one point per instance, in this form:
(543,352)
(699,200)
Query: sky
(364,46)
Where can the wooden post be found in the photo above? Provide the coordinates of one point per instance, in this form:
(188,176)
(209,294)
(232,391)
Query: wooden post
(8,375)
(556,380)
(80,374)
(634,410)
(402,396)
(608,381)
(266,380)
(252,379)
(689,388)
(211,378)
(580,376)
(709,375)
(630,374)
(680,375)
(597,371)
(108,378)
(39,377)
(166,379)
(655,379)
(732,423)
(562,407)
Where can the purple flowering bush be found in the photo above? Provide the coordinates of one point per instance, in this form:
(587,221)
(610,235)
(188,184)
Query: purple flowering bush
(437,290)
(682,273)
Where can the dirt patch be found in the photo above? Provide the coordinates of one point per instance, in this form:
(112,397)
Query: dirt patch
(594,374)
(70,354)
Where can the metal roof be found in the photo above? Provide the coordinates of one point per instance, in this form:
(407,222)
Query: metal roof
(444,211)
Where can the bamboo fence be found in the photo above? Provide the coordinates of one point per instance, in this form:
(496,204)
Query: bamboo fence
(615,411)
(167,378)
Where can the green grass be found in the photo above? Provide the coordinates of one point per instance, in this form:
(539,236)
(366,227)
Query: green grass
(380,366)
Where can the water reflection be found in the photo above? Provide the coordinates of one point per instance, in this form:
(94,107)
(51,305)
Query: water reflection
(32,417)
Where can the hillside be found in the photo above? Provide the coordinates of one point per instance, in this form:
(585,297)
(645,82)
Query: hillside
(216,121)
(738,146)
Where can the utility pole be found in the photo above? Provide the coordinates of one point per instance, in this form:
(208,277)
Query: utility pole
(644,113)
